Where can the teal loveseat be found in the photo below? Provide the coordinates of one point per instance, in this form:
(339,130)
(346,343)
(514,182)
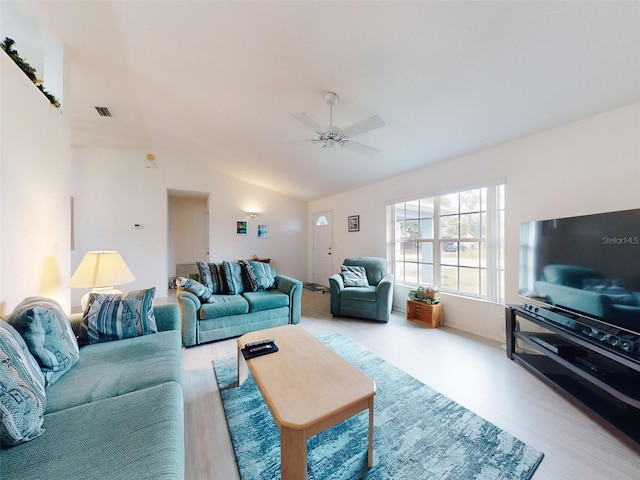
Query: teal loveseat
(117,414)
(226,314)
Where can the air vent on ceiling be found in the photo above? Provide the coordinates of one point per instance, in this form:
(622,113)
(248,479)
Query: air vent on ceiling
(103,112)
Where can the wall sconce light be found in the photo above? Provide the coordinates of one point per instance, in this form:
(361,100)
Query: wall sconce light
(100,271)
(252,215)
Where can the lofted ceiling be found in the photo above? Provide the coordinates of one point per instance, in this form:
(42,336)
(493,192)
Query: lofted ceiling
(216,83)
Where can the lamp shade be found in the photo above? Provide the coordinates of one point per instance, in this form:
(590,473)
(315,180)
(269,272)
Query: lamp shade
(101,269)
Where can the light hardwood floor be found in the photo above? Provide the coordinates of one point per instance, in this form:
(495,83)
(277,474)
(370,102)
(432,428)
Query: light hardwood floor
(472,371)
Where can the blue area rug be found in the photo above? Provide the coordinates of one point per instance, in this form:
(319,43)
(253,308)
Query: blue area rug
(418,432)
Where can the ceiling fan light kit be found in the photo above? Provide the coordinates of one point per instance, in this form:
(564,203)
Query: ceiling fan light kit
(332,136)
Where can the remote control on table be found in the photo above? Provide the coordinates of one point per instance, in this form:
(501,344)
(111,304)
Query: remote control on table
(261,347)
(259,343)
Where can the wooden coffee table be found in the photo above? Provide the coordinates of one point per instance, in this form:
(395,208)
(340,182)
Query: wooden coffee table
(308,388)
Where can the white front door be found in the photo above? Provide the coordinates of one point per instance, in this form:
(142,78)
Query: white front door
(322,244)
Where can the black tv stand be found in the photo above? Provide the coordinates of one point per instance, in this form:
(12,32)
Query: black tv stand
(602,382)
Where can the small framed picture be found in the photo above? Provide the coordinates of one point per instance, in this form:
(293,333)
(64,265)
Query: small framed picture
(241,228)
(262,231)
(354,223)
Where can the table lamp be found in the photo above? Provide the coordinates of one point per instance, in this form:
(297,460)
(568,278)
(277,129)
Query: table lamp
(100,271)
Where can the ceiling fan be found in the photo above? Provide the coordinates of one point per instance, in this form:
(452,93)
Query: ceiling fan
(332,136)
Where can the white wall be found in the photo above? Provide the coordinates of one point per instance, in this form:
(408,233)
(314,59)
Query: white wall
(114,190)
(229,200)
(588,166)
(34,193)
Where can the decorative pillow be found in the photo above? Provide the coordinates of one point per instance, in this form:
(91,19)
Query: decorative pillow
(205,275)
(217,278)
(265,275)
(614,289)
(22,395)
(354,276)
(248,276)
(110,316)
(47,332)
(233,278)
(198,289)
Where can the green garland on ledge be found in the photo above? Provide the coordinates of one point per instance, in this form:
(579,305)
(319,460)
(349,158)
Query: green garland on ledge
(29,71)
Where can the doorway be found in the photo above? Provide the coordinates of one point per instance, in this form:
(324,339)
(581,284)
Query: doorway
(188,232)
(322,247)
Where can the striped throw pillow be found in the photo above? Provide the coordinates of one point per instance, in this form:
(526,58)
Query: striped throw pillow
(205,275)
(232,277)
(112,316)
(265,275)
(22,395)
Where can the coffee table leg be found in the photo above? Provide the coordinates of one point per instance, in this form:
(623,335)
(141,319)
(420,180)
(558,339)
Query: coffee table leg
(243,370)
(370,451)
(293,454)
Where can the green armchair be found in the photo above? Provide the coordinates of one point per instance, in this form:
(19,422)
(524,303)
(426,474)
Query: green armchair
(372,302)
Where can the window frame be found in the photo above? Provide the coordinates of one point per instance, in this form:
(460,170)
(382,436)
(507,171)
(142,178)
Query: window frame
(491,217)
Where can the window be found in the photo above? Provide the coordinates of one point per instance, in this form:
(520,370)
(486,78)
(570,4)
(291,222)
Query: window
(322,220)
(454,241)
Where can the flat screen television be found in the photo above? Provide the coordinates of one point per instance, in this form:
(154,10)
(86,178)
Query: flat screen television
(587,265)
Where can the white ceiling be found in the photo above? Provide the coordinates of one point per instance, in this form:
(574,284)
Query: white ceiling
(217,82)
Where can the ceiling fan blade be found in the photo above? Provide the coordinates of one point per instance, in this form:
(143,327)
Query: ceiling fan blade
(302,117)
(364,126)
(360,148)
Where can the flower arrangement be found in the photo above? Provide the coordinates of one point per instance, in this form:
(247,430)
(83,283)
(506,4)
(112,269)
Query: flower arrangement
(29,71)
(428,294)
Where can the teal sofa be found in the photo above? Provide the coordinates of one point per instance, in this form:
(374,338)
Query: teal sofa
(372,301)
(234,315)
(117,414)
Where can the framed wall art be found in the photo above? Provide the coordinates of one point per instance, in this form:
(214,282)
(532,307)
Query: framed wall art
(241,227)
(262,231)
(354,223)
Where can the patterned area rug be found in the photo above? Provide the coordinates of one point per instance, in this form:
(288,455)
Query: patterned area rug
(418,432)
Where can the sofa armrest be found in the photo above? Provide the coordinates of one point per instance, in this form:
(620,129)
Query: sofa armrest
(336,285)
(293,288)
(189,305)
(384,290)
(167,317)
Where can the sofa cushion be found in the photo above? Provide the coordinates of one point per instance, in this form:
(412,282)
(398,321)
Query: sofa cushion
(266,300)
(139,436)
(354,276)
(224,305)
(114,368)
(47,332)
(195,287)
(22,394)
(112,316)
(363,294)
